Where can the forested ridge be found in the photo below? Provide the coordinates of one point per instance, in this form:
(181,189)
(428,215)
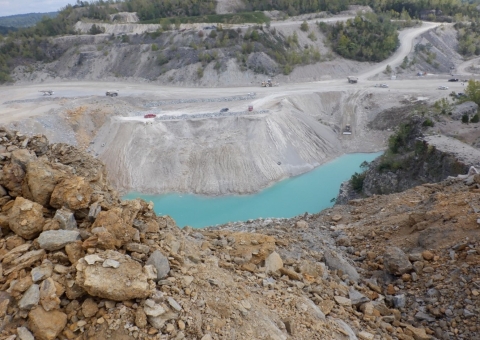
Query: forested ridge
(366,38)
(24,20)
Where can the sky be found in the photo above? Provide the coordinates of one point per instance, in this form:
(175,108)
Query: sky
(11,7)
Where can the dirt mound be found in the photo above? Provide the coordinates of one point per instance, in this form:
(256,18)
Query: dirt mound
(239,154)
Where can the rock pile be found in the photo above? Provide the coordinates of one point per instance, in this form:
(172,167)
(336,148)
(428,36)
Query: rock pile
(79,263)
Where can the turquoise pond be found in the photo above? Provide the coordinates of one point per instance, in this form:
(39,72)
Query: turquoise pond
(310,192)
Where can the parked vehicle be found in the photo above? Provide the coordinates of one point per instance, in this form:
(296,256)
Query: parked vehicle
(150,115)
(250,108)
(225,109)
(352,80)
(453,80)
(443,87)
(112,93)
(384,85)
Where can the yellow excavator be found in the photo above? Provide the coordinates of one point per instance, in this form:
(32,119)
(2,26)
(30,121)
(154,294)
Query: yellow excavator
(269,83)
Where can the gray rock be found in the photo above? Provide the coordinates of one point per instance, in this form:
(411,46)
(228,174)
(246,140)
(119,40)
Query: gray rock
(159,321)
(222,243)
(94,210)
(335,261)
(161,264)
(424,316)
(138,247)
(467,313)
(153,310)
(66,219)
(399,301)
(348,330)
(356,297)
(343,240)
(396,261)
(24,334)
(42,272)
(313,309)
(31,298)
(57,239)
(109,263)
(415,257)
(174,304)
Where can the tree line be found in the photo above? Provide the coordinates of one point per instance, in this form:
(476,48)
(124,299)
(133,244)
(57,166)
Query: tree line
(367,37)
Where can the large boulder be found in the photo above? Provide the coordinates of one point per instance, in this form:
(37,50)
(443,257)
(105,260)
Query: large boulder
(46,325)
(396,261)
(73,193)
(22,157)
(130,211)
(161,264)
(11,178)
(273,262)
(335,261)
(114,224)
(57,239)
(40,181)
(39,144)
(26,218)
(66,219)
(127,281)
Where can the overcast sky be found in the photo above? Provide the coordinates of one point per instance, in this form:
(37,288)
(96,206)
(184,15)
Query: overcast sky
(11,7)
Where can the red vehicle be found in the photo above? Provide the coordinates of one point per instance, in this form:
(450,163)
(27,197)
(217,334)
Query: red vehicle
(250,107)
(150,115)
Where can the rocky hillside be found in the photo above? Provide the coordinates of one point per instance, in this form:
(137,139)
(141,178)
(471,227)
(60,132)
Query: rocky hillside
(78,263)
(192,54)
(413,158)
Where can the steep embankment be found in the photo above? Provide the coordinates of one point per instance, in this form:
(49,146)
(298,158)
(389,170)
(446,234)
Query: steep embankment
(412,159)
(238,154)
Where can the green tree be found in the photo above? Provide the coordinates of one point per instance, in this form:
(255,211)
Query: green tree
(200,72)
(475,119)
(304,26)
(465,118)
(472,91)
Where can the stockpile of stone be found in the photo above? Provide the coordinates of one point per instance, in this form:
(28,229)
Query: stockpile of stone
(421,249)
(79,263)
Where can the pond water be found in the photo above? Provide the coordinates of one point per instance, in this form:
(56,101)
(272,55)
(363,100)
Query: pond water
(310,192)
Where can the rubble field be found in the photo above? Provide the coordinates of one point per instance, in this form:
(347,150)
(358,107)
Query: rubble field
(79,263)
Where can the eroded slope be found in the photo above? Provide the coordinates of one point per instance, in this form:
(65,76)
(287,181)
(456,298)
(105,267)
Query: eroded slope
(213,156)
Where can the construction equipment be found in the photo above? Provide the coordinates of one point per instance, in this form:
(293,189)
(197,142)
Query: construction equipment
(47,92)
(352,80)
(112,93)
(347,130)
(269,83)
